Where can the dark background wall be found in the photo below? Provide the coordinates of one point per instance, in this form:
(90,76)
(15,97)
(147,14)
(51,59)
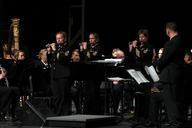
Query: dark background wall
(117,22)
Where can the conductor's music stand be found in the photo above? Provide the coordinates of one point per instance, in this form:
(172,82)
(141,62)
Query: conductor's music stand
(119,79)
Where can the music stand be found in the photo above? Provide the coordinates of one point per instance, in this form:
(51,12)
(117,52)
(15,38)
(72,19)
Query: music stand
(107,63)
(119,79)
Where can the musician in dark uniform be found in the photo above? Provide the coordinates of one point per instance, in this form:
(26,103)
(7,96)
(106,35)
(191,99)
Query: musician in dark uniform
(170,67)
(41,75)
(5,94)
(118,87)
(142,51)
(17,75)
(7,60)
(156,100)
(59,58)
(185,90)
(76,88)
(9,97)
(92,51)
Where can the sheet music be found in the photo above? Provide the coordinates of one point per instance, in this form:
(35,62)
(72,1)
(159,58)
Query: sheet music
(153,74)
(113,60)
(117,79)
(138,76)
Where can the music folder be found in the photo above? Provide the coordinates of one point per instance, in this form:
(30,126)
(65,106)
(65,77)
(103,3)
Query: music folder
(138,76)
(117,79)
(152,73)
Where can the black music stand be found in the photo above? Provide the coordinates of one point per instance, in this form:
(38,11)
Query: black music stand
(119,79)
(107,63)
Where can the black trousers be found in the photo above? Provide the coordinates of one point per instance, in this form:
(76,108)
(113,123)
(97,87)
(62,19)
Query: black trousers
(61,92)
(92,97)
(116,97)
(75,95)
(5,99)
(9,97)
(171,102)
(156,100)
(121,92)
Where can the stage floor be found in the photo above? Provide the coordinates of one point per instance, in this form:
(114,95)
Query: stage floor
(125,122)
(122,124)
(9,124)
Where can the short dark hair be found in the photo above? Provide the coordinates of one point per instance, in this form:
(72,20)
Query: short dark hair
(172,26)
(96,35)
(145,32)
(64,34)
(188,53)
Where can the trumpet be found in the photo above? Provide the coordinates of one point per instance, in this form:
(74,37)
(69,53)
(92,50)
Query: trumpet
(51,46)
(83,46)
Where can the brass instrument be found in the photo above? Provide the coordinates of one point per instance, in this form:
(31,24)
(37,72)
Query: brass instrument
(15,30)
(13,41)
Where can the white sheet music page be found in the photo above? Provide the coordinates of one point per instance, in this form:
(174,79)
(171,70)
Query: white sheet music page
(117,79)
(114,60)
(153,74)
(138,76)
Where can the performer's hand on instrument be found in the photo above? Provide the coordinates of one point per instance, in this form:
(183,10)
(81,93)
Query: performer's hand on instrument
(53,47)
(130,46)
(84,45)
(50,47)
(135,43)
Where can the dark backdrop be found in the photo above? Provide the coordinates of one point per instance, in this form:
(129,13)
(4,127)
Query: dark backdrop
(117,22)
